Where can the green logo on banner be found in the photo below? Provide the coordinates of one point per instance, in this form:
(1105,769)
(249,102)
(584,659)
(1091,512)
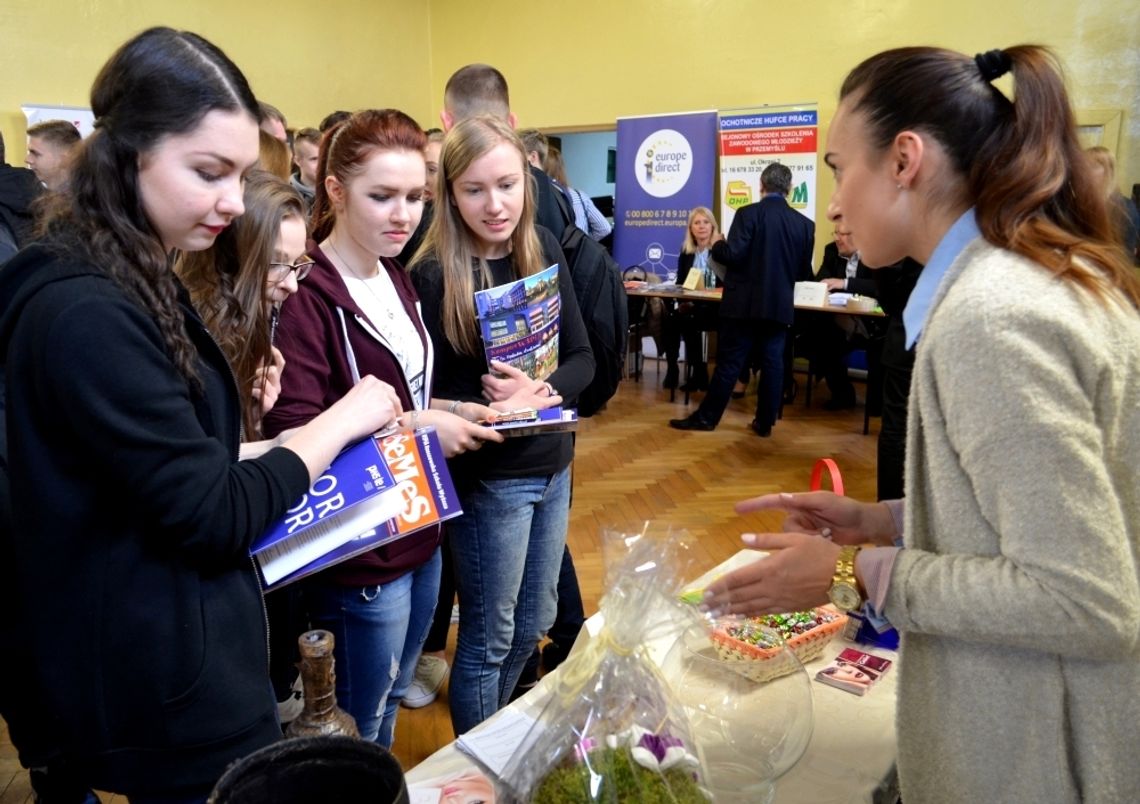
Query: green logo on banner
(800,196)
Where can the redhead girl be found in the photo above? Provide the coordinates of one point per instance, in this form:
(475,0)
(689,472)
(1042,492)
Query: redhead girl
(357,314)
(508,544)
(128,576)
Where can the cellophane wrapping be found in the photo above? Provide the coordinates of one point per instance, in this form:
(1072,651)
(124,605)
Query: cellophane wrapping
(612,730)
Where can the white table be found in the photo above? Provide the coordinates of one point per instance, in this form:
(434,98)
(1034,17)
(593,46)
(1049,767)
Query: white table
(850,757)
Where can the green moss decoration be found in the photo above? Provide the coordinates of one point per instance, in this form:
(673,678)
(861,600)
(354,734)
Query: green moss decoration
(622,780)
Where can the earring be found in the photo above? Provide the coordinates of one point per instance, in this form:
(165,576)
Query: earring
(898,186)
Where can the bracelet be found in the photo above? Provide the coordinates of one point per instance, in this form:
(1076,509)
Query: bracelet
(454,406)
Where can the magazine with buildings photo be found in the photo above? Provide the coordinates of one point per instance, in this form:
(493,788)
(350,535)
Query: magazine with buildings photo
(854,671)
(423,488)
(519,323)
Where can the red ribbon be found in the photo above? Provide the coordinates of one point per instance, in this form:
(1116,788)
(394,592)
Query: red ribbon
(832,470)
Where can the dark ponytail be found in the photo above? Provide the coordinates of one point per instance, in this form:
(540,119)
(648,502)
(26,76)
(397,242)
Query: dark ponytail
(159,83)
(1020,161)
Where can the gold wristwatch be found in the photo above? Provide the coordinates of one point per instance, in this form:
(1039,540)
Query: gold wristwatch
(844,591)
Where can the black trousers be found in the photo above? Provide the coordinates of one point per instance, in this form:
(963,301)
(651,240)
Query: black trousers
(892,433)
(735,341)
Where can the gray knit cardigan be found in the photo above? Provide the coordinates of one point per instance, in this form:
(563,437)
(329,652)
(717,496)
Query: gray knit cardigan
(1018,595)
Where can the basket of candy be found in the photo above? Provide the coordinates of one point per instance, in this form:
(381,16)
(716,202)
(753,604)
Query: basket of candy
(753,646)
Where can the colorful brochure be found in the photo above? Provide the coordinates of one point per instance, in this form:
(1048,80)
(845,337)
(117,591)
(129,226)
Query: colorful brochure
(419,494)
(528,421)
(519,323)
(854,671)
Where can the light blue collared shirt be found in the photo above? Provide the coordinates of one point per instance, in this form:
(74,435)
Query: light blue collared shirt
(957,237)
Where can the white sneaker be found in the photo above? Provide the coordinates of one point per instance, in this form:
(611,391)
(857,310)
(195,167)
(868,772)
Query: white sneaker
(293,705)
(428,678)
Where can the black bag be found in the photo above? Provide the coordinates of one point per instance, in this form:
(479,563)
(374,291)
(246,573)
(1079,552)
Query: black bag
(602,300)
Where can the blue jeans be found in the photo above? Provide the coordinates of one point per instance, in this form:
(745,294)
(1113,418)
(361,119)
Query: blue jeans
(379,631)
(507,548)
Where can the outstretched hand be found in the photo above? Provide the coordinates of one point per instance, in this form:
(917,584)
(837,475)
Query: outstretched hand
(839,518)
(795,577)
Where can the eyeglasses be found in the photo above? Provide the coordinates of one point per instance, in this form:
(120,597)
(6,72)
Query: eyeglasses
(279,270)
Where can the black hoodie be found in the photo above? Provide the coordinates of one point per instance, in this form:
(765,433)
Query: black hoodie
(139,611)
(19,187)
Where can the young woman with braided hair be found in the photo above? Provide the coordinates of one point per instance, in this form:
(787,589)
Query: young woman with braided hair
(144,667)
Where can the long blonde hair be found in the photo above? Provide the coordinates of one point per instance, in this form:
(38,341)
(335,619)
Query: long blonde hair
(690,245)
(450,242)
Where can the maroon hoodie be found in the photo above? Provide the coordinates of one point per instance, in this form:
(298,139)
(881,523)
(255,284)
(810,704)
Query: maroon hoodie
(319,371)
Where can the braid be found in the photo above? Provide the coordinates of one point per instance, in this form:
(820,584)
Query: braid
(101,221)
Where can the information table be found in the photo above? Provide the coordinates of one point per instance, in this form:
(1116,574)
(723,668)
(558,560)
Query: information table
(681,294)
(850,757)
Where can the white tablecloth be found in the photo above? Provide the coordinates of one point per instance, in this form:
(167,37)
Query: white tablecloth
(850,757)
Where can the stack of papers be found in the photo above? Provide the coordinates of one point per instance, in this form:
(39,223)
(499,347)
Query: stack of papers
(494,742)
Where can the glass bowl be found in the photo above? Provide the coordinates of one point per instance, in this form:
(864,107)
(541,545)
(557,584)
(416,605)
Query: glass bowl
(748,733)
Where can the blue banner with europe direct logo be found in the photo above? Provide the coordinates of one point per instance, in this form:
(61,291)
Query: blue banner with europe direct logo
(666,166)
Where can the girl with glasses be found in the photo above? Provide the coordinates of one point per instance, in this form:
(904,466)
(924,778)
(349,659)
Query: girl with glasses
(508,545)
(125,572)
(357,313)
(239,284)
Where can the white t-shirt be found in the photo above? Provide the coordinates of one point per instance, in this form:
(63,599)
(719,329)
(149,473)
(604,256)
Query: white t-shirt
(381,304)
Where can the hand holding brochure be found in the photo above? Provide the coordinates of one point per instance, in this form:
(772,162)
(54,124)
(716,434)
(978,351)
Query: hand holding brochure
(352,496)
(529,421)
(417,493)
(519,322)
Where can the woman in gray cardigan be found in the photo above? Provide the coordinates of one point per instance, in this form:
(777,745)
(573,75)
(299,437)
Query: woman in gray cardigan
(1012,569)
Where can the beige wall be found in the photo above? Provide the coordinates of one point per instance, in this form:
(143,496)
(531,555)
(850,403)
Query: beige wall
(307,58)
(630,57)
(581,63)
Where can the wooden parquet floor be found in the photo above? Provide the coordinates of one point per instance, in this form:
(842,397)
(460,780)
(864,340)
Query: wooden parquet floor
(631,467)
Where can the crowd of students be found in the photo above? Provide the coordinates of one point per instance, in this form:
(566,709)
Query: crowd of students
(191,339)
(186,303)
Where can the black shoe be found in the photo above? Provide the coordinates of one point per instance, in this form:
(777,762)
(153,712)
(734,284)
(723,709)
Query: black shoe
(698,382)
(739,394)
(843,402)
(694,422)
(790,392)
(763,432)
(670,378)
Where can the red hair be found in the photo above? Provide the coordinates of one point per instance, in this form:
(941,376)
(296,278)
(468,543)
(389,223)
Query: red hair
(348,145)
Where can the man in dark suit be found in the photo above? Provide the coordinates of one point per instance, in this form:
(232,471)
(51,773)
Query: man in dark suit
(768,248)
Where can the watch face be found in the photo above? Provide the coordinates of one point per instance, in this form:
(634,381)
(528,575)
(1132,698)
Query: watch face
(845,596)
